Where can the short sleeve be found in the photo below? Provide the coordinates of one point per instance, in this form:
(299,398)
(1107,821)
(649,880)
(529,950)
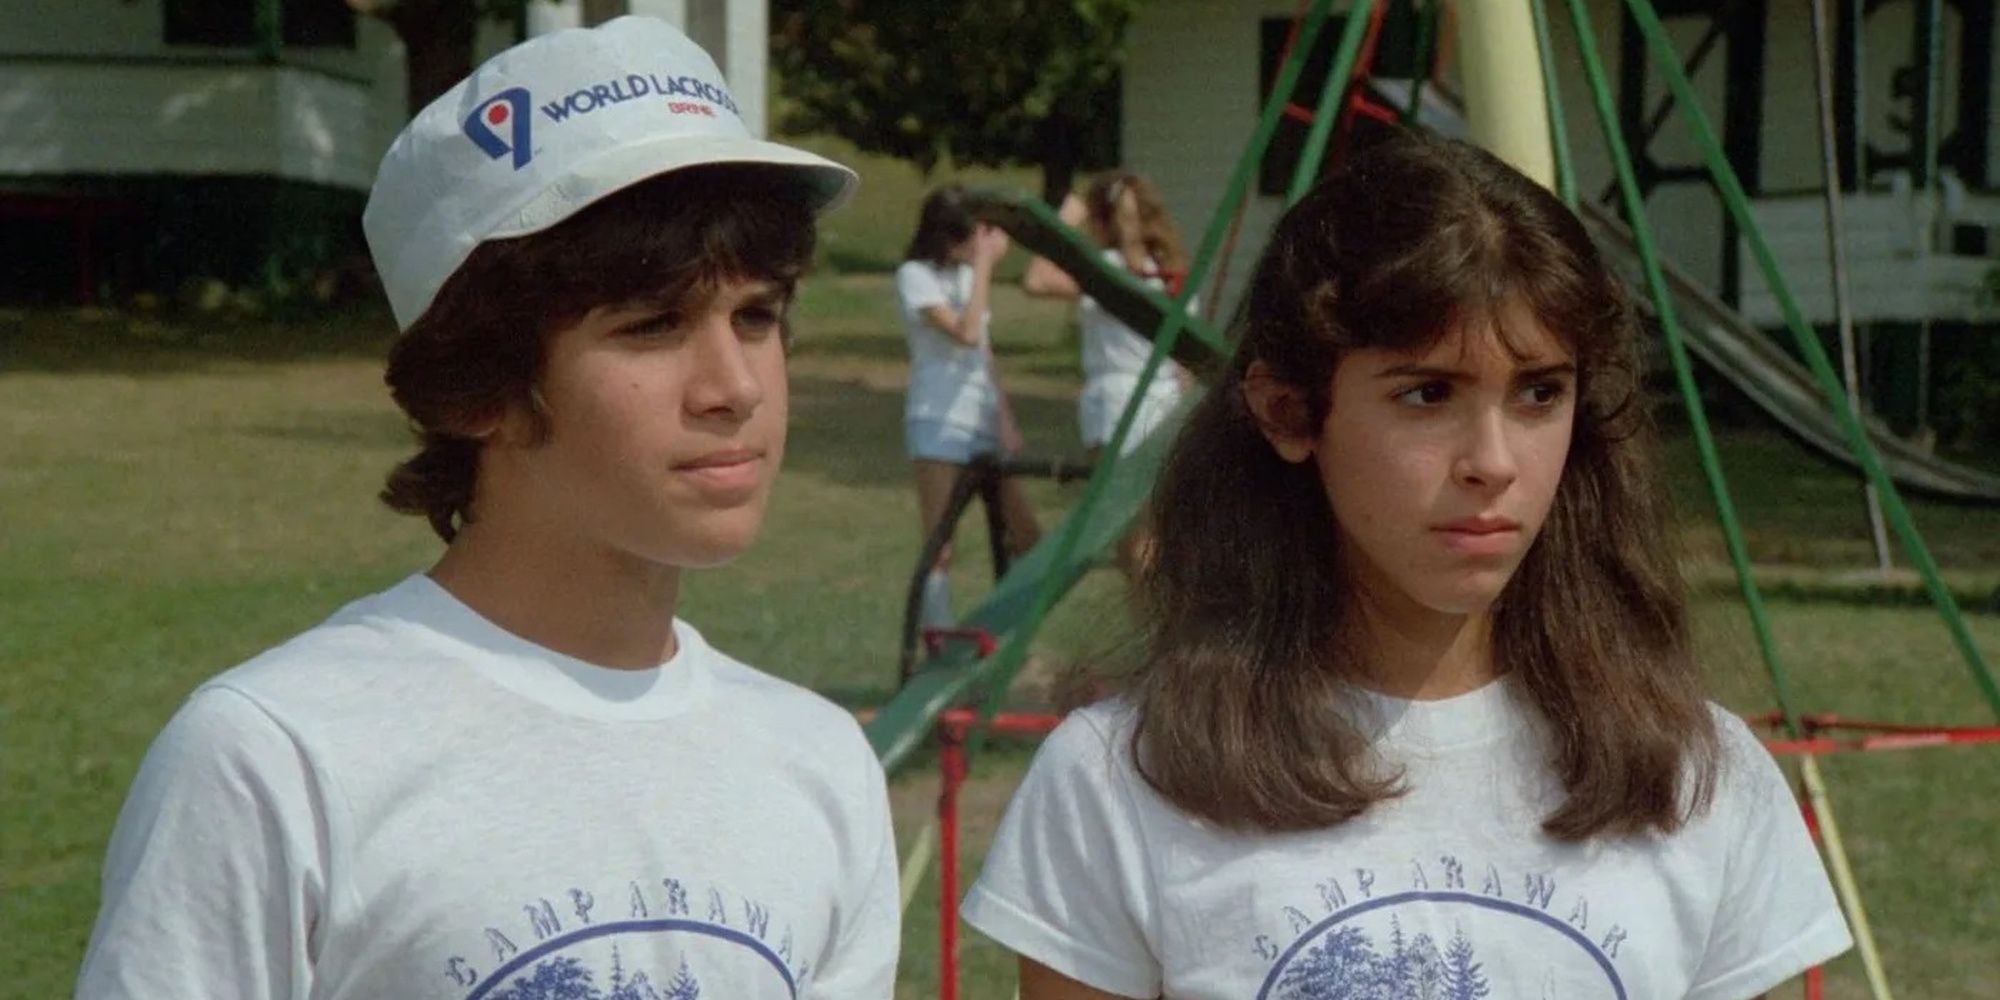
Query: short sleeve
(918,287)
(1777,915)
(860,962)
(214,878)
(1066,881)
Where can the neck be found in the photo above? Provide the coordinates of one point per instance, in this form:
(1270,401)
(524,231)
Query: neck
(1425,655)
(598,606)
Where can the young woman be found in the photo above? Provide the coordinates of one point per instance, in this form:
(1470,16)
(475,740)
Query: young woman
(1418,713)
(1123,214)
(955,408)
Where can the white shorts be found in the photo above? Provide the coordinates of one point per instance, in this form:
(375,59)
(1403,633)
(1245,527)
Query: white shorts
(1103,402)
(941,441)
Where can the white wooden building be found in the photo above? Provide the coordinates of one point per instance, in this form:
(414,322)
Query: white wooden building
(145,141)
(1193,88)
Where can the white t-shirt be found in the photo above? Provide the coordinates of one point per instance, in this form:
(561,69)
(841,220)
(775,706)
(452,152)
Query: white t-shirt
(1114,355)
(1110,348)
(1450,891)
(950,382)
(408,801)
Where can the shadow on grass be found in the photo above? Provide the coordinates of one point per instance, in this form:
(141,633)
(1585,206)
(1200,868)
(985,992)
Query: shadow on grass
(85,340)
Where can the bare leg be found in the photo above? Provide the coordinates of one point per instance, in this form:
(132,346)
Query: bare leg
(934,482)
(1023,530)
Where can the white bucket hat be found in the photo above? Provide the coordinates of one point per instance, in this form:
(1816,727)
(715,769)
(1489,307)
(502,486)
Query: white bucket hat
(545,129)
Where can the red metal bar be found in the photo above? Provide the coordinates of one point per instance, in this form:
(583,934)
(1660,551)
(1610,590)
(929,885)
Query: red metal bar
(951,761)
(1357,103)
(959,721)
(1888,741)
(953,725)
(982,639)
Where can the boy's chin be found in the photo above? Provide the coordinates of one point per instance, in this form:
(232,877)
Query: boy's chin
(710,554)
(718,545)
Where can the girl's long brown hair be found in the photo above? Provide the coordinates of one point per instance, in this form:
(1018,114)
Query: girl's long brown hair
(1248,616)
(1133,217)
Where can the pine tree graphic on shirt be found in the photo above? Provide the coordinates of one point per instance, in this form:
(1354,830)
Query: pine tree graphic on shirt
(1344,965)
(684,986)
(1462,978)
(560,978)
(566,978)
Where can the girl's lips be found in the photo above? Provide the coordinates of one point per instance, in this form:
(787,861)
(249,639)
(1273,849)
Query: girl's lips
(1480,536)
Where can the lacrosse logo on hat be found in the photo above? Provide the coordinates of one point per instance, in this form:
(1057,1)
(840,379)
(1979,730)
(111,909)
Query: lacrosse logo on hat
(543,130)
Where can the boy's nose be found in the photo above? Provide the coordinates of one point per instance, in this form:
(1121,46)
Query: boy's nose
(722,381)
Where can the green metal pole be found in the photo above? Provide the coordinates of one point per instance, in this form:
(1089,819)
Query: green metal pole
(1420,66)
(1663,301)
(1326,114)
(1809,346)
(1926,124)
(1013,651)
(1558,125)
(268,24)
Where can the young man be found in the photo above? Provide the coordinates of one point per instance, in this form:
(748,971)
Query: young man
(518,775)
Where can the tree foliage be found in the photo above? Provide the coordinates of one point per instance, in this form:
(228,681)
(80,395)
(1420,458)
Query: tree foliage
(981,82)
(438,38)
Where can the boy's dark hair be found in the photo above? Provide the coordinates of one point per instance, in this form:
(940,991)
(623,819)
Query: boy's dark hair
(480,347)
(1250,616)
(942,223)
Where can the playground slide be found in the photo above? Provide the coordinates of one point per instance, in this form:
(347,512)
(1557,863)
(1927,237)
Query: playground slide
(1781,385)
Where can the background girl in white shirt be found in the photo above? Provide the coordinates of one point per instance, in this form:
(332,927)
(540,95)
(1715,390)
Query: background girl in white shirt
(1123,213)
(954,409)
(1418,713)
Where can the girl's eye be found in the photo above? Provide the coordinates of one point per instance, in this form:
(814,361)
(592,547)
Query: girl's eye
(1543,394)
(1427,394)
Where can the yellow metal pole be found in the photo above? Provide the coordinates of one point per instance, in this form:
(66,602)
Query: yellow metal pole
(1843,877)
(1501,71)
(923,851)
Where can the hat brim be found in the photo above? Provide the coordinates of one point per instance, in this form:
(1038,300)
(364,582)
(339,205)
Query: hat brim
(830,184)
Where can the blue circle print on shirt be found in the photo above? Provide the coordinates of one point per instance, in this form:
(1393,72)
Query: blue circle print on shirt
(660,960)
(1442,946)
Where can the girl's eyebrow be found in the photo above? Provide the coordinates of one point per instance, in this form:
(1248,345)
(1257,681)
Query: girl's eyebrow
(1461,375)
(1546,371)
(1425,371)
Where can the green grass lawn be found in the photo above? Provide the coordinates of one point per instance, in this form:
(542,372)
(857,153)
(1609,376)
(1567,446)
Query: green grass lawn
(177,495)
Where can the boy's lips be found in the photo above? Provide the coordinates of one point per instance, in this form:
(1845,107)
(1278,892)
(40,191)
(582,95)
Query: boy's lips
(728,474)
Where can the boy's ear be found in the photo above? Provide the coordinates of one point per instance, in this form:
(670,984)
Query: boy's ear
(495,425)
(1280,411)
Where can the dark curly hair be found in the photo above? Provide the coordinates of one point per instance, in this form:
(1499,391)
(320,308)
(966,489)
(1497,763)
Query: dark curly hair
(480,347)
